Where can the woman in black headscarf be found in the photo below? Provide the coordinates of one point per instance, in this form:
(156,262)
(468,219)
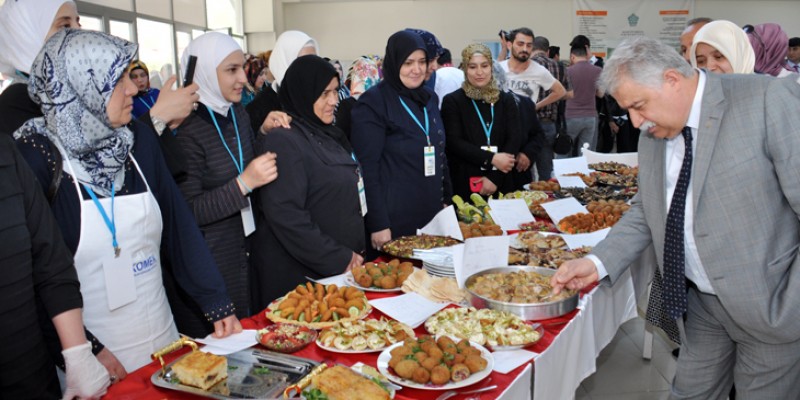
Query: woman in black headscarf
(310,219)
(398,137)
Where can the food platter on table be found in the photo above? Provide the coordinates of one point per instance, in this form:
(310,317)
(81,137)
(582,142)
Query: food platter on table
(363,336)
(285,338)
(497,330)
(328,304)
(384,368)
(380,276)
(612,167)
(404,246)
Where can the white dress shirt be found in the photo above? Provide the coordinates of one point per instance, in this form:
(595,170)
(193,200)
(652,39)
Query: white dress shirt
(675,149)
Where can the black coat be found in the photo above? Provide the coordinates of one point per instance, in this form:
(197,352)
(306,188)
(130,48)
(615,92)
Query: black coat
(36,268)
(309,219)
(466,136)
(389,145)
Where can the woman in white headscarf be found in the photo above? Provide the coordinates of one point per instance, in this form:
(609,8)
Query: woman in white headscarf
(722,47)
(222,170)
(117,207)
(265,110)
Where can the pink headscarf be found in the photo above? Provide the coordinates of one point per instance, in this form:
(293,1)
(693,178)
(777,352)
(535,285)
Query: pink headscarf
(770,44)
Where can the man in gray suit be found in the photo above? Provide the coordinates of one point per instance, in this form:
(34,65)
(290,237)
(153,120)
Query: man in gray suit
(719,197)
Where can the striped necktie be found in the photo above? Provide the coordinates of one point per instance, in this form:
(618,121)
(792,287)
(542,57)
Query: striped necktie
(674,254)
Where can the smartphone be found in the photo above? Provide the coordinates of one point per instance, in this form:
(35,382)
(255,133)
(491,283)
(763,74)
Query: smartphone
(187,80)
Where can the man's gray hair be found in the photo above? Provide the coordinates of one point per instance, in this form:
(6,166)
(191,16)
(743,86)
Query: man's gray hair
(644,61)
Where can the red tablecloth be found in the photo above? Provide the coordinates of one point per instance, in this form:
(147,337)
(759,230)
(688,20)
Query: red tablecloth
(137,385)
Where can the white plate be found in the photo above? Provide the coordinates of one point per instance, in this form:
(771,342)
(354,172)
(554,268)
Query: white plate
(348,351)
(383,367)
(351,281)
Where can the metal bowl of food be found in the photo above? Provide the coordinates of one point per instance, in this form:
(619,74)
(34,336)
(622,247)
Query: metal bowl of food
(524,291)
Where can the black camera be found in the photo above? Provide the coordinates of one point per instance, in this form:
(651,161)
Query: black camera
(505,35)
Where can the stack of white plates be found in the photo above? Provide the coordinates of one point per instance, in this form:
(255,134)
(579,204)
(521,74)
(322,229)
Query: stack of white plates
(446,271)
(437,262)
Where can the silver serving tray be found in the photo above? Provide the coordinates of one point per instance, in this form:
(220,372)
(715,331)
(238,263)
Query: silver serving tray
(252,374)
(526,311)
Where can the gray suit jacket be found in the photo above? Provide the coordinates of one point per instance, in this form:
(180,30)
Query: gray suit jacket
(746,196)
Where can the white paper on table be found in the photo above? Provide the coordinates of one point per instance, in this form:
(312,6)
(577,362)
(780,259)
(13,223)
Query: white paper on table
(479,254)
(444,223)
(510,213)
(570,181)
(558,209)
(231,344)
(593,157)
(507,361)
(585,239)
(562,166)
(410,308)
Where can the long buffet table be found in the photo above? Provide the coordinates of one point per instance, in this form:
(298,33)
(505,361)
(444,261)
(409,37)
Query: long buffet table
(566,353)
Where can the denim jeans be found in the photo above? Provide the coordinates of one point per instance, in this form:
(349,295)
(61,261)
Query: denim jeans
(581,130)
(544,159)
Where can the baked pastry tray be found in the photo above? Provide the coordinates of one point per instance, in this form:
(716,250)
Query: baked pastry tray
(252,374)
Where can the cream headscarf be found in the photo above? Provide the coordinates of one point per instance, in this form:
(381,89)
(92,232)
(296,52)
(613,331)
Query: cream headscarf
(23,27)
(210,48)
(489,93)
(730,40)
(287,47)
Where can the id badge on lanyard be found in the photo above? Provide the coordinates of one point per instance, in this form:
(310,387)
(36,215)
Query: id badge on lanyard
(429,157)
(120,283)
(248,220)
(429,152)
(362,193)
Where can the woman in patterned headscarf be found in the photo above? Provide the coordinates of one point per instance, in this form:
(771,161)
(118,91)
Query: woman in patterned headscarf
(482,126)
(363,74)
(115,201)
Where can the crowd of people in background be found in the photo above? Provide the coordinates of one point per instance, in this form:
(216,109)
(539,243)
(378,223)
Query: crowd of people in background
(219,196)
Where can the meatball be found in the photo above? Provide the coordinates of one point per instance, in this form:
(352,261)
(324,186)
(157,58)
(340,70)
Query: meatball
(475,363)
(421,375)
(405,369)
(364,280)
(459,372)
(440,375)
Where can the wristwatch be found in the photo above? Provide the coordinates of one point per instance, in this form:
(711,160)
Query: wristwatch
(158,124)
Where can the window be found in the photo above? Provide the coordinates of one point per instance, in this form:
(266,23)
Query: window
(225,14)
(156,49)
(121,29)
(91,23)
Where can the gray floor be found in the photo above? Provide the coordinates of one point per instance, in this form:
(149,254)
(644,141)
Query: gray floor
(622,373)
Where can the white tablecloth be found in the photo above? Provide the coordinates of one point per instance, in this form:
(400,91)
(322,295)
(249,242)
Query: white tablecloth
(570,358)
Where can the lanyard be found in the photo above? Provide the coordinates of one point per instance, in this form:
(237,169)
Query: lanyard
(487,131)
(240,164)
(149,106)
(109,222)
(426,129)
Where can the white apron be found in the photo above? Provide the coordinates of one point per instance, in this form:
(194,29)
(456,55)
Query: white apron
(136,330)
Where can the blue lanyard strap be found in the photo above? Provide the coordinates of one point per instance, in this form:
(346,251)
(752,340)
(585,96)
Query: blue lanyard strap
(487,129)
(239,164)
(425,129)
(109,222)
(149,106)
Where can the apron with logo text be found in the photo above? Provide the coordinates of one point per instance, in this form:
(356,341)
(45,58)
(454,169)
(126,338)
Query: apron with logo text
(134,331)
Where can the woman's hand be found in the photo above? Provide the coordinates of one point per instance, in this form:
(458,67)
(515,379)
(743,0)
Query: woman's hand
(173,106)
(488,187)
(115,369)
(227,326)
(503,162)
(275,119)
(261,171)
(380,237)
(355,261)
(523,162)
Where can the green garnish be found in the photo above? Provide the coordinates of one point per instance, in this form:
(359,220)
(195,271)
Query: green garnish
(232,367)
(260,370)
(381,384)
(174,380)
(314,394)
